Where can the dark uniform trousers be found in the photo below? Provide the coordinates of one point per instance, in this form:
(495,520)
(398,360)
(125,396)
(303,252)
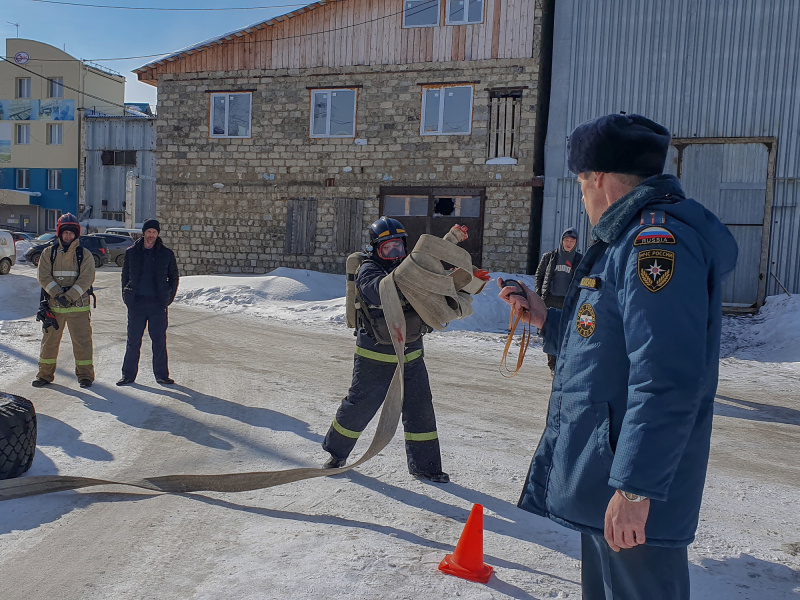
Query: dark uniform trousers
(553,302)
(146,311)
(371,379)
(640,573)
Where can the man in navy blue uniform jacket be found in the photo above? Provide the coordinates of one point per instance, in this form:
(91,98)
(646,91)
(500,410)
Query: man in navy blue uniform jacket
(624,453)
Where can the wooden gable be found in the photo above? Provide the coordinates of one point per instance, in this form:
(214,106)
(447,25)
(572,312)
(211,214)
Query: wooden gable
(340,33)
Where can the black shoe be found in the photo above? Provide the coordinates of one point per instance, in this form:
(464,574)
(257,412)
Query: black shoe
(440,477)
(334,463)
(165,381)
(85,383)
(39,382)
(125,381)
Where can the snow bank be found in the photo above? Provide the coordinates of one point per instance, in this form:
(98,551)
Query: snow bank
(292,294)
(773,335)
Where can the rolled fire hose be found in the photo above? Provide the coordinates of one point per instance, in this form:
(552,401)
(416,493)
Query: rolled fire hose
(425,272)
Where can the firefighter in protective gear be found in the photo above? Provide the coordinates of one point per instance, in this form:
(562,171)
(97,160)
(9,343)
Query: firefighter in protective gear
(67,282)
(375,362)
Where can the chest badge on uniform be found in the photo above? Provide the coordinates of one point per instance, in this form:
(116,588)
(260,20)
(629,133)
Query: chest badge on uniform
(654,235)
(585,323)
(656,268)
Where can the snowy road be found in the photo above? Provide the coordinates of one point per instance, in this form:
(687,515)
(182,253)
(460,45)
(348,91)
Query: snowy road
(258,394)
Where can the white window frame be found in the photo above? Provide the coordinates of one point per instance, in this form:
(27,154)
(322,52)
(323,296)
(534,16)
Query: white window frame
(442,91)
(55,134)
(22,135)
(53,179)
(51,215)
(55,84)
(211,115)
(330,92)
(438,15)
(448,21)
(25,176)
(23,87)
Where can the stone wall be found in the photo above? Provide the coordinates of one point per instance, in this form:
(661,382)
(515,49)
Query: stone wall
(241,227)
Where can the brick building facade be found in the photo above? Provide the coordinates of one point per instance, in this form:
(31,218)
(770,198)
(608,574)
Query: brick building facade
(299,181)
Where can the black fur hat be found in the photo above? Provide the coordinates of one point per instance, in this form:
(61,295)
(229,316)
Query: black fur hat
(619,143)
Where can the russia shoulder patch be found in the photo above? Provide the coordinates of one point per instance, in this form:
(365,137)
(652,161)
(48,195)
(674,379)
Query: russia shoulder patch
(654,235)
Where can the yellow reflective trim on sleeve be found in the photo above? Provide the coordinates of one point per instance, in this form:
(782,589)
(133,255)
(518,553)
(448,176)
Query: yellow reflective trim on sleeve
(72,309)
(387,358)
(422,437)
(83,363)
(354,435)
(47,361)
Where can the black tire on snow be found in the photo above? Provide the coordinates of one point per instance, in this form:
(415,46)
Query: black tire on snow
(5,266)
(17,435)
(35,259)
(97,261)
(120,260)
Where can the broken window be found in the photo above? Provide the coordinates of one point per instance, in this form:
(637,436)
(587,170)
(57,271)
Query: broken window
(230,115)
(504,120)
(420,13)
(117,158)
(333,113)
(447,110)
(462,12)
(457,206)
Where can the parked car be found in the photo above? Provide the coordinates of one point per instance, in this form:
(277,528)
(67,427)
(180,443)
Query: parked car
(45,237)
(117,245)
(8,252)
(21,236)
(95,245)
(134,234)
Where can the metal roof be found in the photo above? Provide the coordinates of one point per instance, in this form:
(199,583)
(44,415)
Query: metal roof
(235,34)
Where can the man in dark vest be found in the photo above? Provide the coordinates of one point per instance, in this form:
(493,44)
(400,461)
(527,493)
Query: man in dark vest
(555,274)
(149,284)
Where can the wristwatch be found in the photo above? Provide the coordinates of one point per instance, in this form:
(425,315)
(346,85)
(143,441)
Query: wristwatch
(632,497)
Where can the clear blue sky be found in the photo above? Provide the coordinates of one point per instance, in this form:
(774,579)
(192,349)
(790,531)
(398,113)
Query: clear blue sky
(92,33)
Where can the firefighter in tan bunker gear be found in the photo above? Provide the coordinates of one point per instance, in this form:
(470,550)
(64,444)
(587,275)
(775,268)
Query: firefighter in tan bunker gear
(66,285)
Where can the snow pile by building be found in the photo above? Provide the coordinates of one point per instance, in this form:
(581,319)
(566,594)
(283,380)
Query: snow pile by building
(773,335)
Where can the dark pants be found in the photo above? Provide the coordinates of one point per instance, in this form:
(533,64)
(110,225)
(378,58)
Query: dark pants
(640,573)
(371,380)
(553,302)
(146,311)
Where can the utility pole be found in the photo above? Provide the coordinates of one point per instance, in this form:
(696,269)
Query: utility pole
(130,199)
(15,25)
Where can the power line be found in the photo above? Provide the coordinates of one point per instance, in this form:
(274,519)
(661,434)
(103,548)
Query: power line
(63,85)
(419,9)
(168,9)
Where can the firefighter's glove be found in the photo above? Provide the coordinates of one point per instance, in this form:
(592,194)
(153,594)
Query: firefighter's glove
(47,319)
(460,231)
(62,300)
(481,274)
(72,295)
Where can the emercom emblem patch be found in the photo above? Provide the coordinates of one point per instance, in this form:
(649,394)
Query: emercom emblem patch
(585,322)
(656,268)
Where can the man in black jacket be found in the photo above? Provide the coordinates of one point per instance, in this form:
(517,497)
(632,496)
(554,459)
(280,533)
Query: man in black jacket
(555,274)
(149,284)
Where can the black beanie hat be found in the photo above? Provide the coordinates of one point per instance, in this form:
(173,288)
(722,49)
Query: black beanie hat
(627,144)
(151,224)
(570,233)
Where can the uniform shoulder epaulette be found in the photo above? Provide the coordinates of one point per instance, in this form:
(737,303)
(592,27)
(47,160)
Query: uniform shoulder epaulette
(654,231)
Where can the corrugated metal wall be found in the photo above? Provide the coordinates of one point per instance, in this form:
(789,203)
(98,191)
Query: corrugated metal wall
(703,68)
(104,182)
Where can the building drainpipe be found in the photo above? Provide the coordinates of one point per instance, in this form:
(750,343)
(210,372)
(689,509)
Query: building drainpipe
(542,111)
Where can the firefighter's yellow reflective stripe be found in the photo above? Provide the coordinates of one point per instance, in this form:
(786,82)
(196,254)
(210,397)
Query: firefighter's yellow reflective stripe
(72,309)
(83,363)
(345,432)
(47,361)
(422,437)
(52,284)
(66,273)
(388,358)
(77,288)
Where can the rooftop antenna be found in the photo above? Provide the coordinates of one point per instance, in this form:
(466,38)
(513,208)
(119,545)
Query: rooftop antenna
(15,25)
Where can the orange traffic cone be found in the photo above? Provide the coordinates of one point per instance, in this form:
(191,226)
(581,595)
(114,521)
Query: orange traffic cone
(467,561)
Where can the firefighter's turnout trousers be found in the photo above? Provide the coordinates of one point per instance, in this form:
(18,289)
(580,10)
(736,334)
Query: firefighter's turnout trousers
(372,374)
(62,274)
(78,319)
